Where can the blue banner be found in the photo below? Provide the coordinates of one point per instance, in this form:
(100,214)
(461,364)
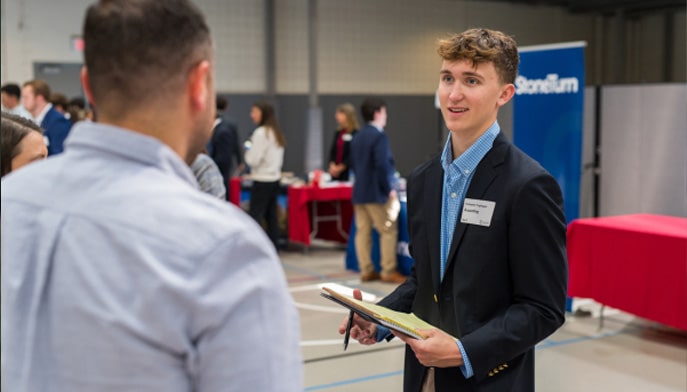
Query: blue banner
(548,108)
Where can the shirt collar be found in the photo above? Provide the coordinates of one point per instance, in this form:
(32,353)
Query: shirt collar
(468,161)
(127,145)
(41,115)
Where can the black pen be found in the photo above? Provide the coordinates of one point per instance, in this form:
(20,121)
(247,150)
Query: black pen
(348,330)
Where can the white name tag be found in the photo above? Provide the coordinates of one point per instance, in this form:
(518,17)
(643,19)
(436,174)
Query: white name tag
(347,137)
(477,212)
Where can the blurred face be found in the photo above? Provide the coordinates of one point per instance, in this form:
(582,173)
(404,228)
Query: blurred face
(8,101)
(28,97)
(380,117)
(470,97)
(31,148)
(340,118)
(255,115)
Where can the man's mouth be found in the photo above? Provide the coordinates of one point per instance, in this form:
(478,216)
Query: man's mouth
(457,110)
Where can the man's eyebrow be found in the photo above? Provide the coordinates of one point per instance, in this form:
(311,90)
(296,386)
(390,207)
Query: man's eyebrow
(475,74)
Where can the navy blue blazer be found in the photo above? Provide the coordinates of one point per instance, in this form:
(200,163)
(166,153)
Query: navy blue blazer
(224,149)
(504,288)
(372,165)
(56,127)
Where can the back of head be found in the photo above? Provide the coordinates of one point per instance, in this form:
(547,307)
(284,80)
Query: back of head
(369,107)
(77,103)
(221,104)
(483,46)
(14,128)
(11,89)
(59,101)
(139,51)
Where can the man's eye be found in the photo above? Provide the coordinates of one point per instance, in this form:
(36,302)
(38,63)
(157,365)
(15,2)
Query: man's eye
(447,78)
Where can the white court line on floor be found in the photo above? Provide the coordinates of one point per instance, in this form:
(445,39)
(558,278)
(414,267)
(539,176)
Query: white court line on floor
(320,308)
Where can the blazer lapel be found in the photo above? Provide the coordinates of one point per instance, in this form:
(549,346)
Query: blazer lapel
(432,192)
(485,173)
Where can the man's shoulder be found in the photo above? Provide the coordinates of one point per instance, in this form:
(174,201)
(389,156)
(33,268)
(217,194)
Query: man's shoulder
(53,117)
(426,167)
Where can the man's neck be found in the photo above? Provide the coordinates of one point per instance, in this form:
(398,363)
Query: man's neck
(376,125)
(461,141)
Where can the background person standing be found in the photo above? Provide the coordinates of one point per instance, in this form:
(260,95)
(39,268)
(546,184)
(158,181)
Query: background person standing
(375,201)
(265,158)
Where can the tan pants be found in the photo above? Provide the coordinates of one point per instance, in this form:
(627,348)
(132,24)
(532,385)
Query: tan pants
(384,218)
(428,384)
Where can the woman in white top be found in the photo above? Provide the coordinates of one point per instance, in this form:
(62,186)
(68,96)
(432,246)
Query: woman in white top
(265,158)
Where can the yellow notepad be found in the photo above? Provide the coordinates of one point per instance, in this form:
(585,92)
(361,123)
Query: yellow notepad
(406,323)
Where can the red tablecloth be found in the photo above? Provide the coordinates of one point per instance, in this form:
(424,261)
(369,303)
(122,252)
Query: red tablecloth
(235,190)
(300,199)
(635,263)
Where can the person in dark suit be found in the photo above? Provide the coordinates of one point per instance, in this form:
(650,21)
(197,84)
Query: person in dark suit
(375,202)
(487,232)
(339,151)
(35,95)
(224,147)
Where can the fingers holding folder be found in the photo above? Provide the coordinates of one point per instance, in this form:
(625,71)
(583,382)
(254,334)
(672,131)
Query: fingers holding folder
(359,329)
(438,349)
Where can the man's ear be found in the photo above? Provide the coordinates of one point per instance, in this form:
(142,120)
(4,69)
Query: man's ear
(507,92)
(86,83)
(198,83)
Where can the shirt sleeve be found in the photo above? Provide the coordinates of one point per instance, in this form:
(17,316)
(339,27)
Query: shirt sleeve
(254,156)
(238,306)
(467,367)
(383,333)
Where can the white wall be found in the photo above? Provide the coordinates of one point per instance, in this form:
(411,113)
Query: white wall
(364,46)
(644,149)
(380,46)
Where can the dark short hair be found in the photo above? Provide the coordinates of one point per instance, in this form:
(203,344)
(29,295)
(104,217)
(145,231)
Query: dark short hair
(12,89)
(221,103)
(370,106)
(78,102)
(14,129)
(483,46)
(137,51)
(59,99)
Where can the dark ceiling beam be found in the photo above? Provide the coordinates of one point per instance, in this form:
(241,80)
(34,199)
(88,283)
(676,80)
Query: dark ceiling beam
(605,6)
(628,6)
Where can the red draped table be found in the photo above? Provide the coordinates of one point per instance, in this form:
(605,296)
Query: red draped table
(319,212)
(635,263)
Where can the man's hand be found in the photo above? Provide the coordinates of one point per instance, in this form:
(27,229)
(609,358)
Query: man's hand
(363,331)
(335,170)
(438,350)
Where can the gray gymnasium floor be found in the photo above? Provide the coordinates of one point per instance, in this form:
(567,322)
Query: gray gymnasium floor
(627,354)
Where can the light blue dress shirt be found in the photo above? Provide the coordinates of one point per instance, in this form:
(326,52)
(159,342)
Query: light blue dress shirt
(457,175)
(119,275)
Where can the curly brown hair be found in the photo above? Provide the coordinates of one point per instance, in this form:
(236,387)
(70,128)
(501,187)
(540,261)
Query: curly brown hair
(483,46)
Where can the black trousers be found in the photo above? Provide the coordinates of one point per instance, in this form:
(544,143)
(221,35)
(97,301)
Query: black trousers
(263,205)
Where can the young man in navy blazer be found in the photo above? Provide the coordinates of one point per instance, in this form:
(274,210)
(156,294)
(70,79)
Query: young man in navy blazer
(375,201)
(36,97)
(487,232)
